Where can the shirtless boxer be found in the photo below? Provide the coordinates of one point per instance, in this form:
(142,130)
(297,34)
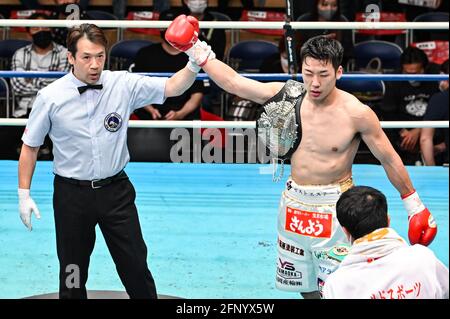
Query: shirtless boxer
(333,123)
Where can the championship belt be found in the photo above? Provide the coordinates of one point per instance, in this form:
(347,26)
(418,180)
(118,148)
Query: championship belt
(279,126)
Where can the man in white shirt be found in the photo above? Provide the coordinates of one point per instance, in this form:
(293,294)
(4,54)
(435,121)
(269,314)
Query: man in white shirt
(86,115)
(380,264)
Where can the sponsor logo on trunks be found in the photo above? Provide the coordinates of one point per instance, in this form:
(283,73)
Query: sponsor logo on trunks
(287,270)
(113,122)
(288,282)
(322,255)
(310,224)
(289,185)
(325,270)
(290,248)
(315,193)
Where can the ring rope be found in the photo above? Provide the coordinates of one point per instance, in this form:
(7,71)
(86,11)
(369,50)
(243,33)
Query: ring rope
(123,24)
(255,76)
(237,124)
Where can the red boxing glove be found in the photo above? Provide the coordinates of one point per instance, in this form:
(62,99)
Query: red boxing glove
(422,227)
(182,34)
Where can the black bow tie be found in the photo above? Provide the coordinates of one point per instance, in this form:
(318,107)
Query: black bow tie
(83,89)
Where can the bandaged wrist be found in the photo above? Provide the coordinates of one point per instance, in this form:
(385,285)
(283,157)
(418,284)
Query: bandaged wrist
(412,203)
(201,53)
(192,66)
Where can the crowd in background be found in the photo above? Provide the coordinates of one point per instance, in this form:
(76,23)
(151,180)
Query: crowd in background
(402,101)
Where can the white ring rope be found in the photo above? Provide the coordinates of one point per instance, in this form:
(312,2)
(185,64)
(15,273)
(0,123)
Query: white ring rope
(232,25)
(237,124)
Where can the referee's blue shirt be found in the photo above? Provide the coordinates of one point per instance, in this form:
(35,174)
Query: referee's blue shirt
(89,130)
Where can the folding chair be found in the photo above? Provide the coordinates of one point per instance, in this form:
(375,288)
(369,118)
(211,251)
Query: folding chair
(389,54)
(124,52)
(428,35)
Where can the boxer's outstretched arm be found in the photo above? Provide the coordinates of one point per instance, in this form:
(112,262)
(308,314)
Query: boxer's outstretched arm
(182,34)
(422,226)
(230,81)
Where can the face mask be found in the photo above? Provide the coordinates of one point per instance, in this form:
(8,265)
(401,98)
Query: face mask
(327,14)
(284,62)
(414,83)
(197,6)
(42,39)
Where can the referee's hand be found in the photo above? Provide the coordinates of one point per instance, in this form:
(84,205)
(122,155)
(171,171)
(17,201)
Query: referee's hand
(26,207)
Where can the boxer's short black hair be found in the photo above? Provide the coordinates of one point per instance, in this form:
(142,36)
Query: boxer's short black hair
(323,49)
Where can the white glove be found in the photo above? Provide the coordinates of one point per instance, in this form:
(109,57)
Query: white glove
(26,207)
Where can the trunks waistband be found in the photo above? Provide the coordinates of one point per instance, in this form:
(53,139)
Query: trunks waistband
(317,194)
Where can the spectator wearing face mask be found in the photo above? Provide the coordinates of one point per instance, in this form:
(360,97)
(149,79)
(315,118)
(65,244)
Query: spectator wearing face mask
(324,11)
(408,101)
(42,55)
(216,38)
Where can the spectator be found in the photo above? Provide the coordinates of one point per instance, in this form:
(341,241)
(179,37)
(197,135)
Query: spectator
(434,142)
(164,58)
(327,10)
(63,12)
(216,38)
(42,55)
(408,101)
(380,264)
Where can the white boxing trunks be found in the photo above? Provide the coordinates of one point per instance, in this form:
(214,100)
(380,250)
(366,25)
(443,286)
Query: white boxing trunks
(309,235)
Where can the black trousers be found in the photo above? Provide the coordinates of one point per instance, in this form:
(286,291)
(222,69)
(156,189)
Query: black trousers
(78,209)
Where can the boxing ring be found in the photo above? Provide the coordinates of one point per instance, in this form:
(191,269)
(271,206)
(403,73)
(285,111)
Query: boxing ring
(210,229)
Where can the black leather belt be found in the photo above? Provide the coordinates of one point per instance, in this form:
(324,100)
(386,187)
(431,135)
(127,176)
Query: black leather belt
(98,183)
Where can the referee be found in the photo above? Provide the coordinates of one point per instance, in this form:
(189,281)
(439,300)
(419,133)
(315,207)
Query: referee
(86,115)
